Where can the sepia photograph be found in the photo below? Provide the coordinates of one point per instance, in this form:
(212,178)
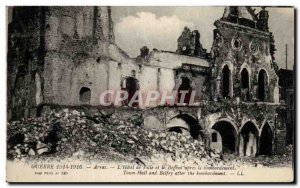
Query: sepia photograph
(138,94)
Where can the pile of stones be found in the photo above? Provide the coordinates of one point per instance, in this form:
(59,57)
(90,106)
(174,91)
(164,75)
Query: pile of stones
(70,133)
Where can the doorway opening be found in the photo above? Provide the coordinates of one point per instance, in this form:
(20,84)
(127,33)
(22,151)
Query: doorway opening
(85,95)
(228,135)
(266,141)
(249,135)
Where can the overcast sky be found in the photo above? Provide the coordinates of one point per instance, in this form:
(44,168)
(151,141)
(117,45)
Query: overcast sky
(159,27)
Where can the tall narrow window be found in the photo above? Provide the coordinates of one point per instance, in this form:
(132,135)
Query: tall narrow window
(186,88)
(131,86)
(262,85)
(245,93)
(226,82)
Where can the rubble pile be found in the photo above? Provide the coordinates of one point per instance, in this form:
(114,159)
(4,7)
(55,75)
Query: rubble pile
(69,133)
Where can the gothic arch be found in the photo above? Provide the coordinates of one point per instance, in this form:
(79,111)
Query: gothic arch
(264,123)
(246,66)
(262,84)
(251,121)
(245,84)
(266,140)
(245,78)
(229,135)
(226,81)
(227,119)
(263,69)
(248,139)
(191,124)
(229,64)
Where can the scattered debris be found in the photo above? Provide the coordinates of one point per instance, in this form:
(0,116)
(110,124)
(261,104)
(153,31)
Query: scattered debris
(66,133)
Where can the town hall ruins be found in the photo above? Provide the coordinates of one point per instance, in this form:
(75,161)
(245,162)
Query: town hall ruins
(67,57)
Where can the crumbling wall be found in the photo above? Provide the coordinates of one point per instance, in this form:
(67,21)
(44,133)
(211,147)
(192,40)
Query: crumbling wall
(239,113)
(53,53)
(25,61)
(159,72)
(63,80)
(242,46)
(258,114)
(77,52)
(189,44)
(253,96)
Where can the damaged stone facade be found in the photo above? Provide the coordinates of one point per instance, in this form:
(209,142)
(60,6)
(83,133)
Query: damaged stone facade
(66,56)
(189,44)
(49,50)
(243,72)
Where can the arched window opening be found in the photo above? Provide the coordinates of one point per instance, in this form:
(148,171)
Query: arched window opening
(266,141)
(184,90)
(226,82)
(131,86)
(228,135)
(249,135)
(85,95)
(245,90)
(193,124)
(262,85)
(186,123)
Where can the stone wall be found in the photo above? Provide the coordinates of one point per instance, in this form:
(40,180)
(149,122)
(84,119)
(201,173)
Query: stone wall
(242,47)
(53,53)
(161,72)
(76,50)
(280,144)
(77,53)
(25,60)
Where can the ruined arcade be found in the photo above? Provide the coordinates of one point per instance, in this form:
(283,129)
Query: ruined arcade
(67,57)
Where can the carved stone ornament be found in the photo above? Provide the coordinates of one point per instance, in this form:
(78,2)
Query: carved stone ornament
(254,48)
(236,44)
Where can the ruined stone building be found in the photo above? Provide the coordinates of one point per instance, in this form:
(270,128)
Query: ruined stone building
(66,56)
(287,94)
